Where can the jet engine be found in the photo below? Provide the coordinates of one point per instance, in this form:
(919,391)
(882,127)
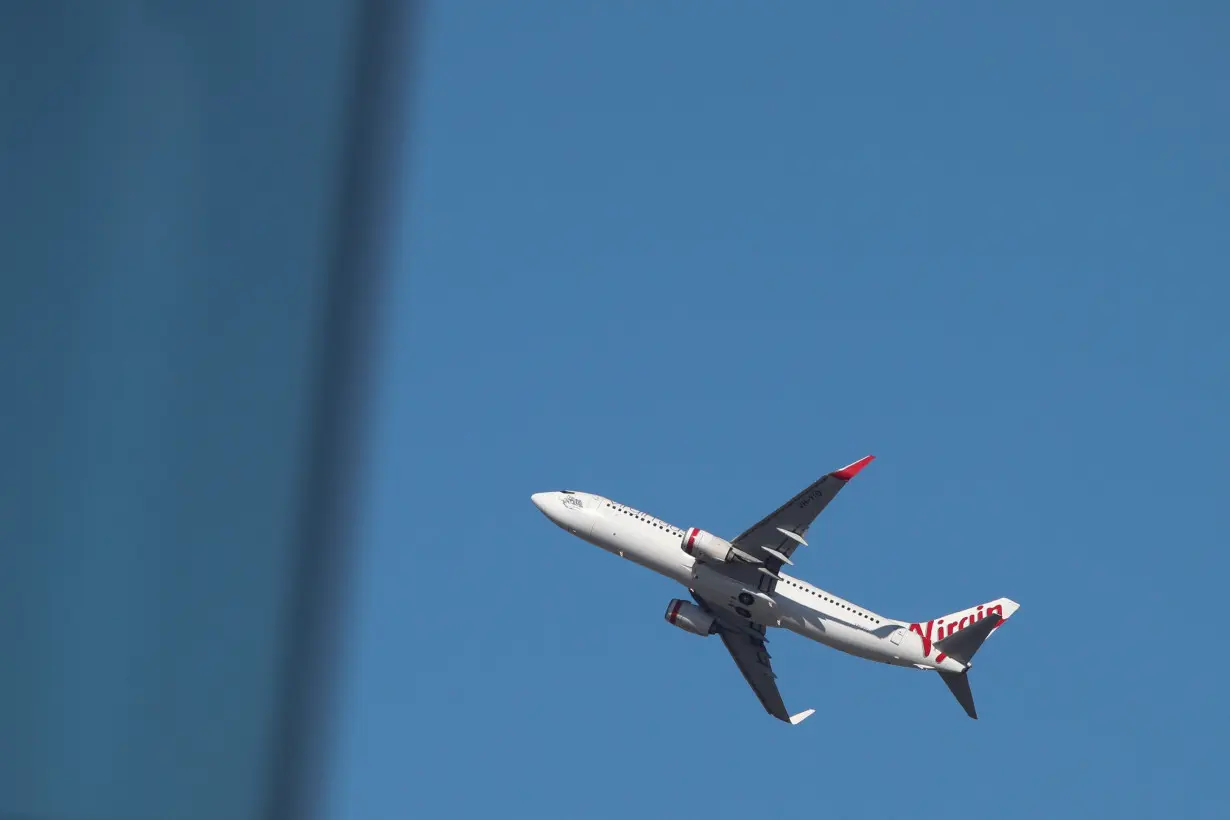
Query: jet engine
(701,544)
(689,617)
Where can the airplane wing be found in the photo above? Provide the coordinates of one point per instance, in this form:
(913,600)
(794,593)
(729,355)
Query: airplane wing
(777,535)
(746,644)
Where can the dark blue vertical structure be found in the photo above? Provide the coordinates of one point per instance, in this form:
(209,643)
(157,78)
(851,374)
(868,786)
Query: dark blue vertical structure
(195,201)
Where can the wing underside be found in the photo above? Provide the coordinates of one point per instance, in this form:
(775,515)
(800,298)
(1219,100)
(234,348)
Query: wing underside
(774,538)
(766,546)
(746,644)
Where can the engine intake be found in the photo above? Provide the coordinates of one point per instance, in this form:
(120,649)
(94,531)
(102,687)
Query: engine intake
(701,544)
(689,617)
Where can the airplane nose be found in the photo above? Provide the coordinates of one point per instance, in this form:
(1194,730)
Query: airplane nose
(540,501)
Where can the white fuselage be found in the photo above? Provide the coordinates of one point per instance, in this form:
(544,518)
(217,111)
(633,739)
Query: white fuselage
(797,605)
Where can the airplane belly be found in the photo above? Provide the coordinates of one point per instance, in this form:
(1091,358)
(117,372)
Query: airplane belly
(742,597)
(800,619)
(651,550)
(813,624)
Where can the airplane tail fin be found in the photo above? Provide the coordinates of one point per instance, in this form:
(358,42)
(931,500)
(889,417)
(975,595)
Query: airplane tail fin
(954,623)
(963,634)
(961,646)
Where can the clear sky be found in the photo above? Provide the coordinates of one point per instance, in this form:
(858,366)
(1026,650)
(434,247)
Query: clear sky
(692,256)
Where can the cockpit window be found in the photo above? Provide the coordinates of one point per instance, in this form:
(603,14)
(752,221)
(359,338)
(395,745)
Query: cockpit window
(567,492)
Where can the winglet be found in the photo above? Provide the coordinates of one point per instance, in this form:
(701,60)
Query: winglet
(851,470)
(795,720)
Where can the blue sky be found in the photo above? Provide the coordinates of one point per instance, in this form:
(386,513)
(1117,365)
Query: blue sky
(692,256)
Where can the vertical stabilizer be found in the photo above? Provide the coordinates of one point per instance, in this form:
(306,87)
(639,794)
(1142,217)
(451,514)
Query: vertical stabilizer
(937,629)
(956,637)
(961,646)
(947,625)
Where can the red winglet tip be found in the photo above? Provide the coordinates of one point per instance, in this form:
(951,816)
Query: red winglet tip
(851,470)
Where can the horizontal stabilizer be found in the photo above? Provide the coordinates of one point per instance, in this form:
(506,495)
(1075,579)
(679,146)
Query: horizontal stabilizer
(958,684)
(801,716)
(962,645)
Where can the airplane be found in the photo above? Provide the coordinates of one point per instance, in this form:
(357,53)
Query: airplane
(739,590)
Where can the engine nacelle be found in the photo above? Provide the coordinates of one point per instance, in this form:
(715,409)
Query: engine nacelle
(689,617)
(701,544)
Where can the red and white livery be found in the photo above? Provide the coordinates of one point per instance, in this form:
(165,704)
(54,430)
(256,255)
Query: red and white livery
(739,590)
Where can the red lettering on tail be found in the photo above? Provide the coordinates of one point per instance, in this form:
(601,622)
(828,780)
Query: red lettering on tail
(926,638)
(953,627)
